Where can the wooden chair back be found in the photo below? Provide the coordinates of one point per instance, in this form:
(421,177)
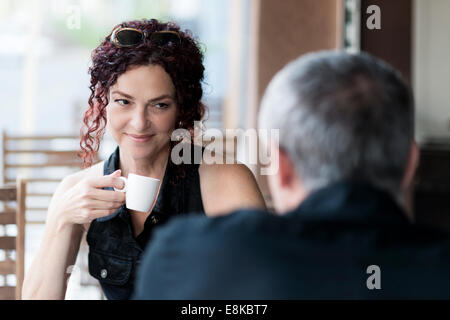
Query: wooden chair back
(12,247)
(43,160)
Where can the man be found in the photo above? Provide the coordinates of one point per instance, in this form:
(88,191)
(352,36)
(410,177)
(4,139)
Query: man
(346,160)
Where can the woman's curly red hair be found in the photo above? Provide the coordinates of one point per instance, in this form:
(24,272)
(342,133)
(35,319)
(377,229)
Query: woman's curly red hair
(183,62)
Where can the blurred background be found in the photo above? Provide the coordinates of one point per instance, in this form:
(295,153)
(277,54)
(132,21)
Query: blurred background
(45,48)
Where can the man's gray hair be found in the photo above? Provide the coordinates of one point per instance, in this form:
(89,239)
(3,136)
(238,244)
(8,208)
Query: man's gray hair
(342,117)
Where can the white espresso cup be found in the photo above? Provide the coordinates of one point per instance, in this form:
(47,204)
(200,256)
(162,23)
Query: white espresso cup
(140,192)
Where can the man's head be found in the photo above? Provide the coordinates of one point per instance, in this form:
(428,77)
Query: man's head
(341,117)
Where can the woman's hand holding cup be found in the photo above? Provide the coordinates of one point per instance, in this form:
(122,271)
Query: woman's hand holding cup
(87,200)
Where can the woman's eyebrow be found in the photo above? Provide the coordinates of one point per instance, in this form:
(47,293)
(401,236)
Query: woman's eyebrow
(123,94)
(163,96)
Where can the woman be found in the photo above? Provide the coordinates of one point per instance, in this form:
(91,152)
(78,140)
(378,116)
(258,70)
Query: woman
(145,83)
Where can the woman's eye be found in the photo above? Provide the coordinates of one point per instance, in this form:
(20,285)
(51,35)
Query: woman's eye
(122,101)
(161,105)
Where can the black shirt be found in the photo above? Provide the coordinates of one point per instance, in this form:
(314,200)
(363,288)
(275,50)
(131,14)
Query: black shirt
(327,248)
(114,252)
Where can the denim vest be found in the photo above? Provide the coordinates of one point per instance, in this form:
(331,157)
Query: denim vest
(114,252)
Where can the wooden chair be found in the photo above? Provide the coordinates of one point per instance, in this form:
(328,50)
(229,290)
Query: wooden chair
(43,163)
(13,245)
(43,160)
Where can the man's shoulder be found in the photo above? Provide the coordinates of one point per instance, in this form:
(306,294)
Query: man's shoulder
(429,241)
(245,229)
(235,220)
(249,223)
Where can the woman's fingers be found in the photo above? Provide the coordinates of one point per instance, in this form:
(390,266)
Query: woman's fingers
(87,200)
(102,205)
(90,210)
(107,195)
(111,180)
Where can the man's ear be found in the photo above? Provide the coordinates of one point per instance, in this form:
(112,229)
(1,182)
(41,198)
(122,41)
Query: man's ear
(411,166)
(288,174)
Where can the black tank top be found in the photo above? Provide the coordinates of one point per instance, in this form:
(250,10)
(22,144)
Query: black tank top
(114,252)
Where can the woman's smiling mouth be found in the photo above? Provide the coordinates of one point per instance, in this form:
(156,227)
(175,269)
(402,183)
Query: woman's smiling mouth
(139,137)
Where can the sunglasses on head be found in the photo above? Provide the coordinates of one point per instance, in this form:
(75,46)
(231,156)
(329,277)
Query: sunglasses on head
(130,37)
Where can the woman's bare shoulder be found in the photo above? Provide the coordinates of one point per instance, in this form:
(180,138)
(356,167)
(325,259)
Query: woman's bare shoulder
(227,187)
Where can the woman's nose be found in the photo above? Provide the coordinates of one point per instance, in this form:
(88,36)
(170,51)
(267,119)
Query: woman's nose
(139,120)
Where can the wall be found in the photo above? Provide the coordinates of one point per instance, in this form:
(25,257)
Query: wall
(431,68)
(279,32)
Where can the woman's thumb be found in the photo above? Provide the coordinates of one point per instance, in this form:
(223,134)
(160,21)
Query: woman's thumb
(117,173)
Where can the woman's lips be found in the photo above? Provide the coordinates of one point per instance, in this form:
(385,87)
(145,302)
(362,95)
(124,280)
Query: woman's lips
(139,138)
